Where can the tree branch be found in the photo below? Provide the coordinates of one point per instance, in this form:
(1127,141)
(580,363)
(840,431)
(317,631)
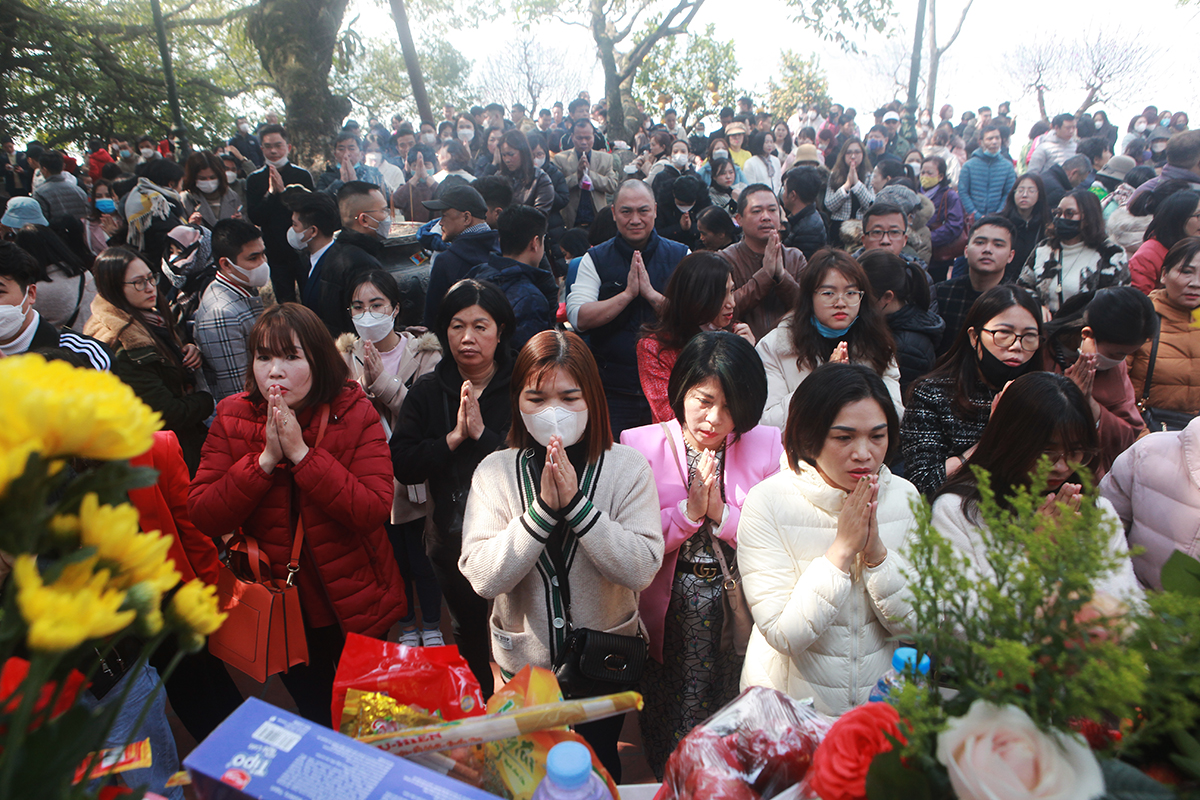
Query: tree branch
(634,58)
(21,11)
(957,29)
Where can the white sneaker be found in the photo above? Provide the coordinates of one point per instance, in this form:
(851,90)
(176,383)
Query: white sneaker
(432,638)
(410,637)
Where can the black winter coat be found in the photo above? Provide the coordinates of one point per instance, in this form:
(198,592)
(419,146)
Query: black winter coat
(917,333)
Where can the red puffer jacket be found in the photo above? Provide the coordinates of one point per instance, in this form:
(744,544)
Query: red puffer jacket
(344,489)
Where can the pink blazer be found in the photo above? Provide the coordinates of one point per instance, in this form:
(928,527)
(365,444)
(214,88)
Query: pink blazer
(748,461)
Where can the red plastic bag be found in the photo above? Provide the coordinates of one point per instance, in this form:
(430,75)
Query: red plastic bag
(756,747)
(435,680)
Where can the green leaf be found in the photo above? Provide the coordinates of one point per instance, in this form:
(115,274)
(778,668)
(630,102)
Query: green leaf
(1124,782)
(1181,574)
(887,779)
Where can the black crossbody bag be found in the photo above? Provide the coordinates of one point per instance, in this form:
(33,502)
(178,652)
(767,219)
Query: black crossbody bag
(1159,419)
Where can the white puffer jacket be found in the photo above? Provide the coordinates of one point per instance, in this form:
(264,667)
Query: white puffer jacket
(963,532)
(818,632)
(1155,488)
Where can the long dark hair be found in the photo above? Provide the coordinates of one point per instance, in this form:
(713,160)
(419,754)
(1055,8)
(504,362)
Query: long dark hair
(840,171)
(960,365)
(715,168)
(48,249)
(109,273)
(1169,221)
(1091,221)
(1041,209)
(1041,405)
(888,272)
(868,341)
(517,141)
(693,296)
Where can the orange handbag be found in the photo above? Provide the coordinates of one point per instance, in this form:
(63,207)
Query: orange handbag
(264,633)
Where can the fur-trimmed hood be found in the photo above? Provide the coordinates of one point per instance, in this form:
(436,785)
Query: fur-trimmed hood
(418,342)
(116,328)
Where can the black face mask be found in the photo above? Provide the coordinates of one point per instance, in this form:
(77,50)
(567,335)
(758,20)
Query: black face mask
(995,371)
(1067,228)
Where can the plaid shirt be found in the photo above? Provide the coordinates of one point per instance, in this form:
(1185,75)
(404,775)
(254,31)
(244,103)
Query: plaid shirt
(954,300)
(224,319)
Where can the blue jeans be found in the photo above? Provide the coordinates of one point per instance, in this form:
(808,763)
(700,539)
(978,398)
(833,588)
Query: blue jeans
(154,727)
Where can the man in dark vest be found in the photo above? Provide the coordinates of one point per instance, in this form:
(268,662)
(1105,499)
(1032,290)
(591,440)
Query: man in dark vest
(618,289)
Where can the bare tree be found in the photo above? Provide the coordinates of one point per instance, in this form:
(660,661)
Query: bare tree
(530,72)
(889,68)
(1103,67)
(936,51)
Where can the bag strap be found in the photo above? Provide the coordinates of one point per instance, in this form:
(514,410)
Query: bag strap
(78,300)
(1144,403)
(298,541)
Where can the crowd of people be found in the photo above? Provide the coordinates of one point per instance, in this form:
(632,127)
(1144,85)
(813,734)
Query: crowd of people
(651,375)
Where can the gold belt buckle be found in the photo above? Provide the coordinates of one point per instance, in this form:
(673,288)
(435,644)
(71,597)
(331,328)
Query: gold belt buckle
(704,571)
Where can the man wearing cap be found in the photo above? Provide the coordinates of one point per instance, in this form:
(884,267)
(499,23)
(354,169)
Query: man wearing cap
(618,289)
(472,241)
(896,145)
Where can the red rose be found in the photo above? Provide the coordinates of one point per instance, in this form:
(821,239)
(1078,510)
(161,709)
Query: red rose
(839,768)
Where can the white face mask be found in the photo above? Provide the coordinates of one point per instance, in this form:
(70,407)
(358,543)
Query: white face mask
(680,160)
(146,152)
(684,209)
(539,161)
(429,139)
(556,421)
(466,134)
(254,278)
(296,239)
(230,175)
(373,159)
(1140,127)
(11,318)
(278,163)
(208,187)
(720,154)
(373,326)
(244,127)
(1104,362)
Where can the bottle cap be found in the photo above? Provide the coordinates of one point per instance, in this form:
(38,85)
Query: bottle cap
(569,764)
(906,656)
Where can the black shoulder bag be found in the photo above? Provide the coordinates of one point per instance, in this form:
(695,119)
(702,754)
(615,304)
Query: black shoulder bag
(1159,419)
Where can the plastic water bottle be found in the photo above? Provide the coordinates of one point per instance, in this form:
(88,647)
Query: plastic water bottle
(569,775)
(903,659)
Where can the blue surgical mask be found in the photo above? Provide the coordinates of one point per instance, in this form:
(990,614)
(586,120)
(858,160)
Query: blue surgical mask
(125,154)
(874,144)
(831,333)
(105,205)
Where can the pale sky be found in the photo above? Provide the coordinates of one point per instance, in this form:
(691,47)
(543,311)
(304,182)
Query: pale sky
(972,71)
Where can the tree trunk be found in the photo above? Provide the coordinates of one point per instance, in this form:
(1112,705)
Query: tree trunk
(295,41)
(1041,95)
(415,79)
(931,82)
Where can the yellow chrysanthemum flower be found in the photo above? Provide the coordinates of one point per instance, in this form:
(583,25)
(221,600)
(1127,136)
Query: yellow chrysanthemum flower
(113,531)
(42,406)
(195,607)
(75,608)
(13,459)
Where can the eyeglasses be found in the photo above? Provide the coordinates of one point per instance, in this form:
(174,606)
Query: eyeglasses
(829,297)
(1065,213)
(880,234)
(379,307)
(141,284)
(1026,191)
(1080,456)
(1004,339)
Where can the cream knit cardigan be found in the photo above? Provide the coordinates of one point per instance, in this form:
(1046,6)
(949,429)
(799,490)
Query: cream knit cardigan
(613,548)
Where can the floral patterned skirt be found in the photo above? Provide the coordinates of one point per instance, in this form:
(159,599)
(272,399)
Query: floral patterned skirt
(696,678)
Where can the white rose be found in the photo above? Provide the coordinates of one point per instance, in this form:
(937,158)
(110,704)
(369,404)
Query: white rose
(996,753)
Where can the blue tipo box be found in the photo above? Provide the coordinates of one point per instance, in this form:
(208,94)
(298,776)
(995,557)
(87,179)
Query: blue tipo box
(265,753)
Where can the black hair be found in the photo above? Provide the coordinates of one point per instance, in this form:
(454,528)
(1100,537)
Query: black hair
(162,172)
(497,191)
(888,272)
(52,162)
(604,227)
(19,266)
(1093,147)
(959,365)
(805,182)
(692,297)
(1147,203)
(883,210)
(1171,217)
(73,234)
(998,221)
(1043,406)
(1041,209)
(717,220)
(48,250)
(269,129)
(518,225)
(688,188)
(346,136)
(517,141)
(460,156)
(315,209)
(754,188)
(229,236)
(575,242)
(891,169)
(1060,119)
(716,166)
(756,141)
(470,292)
(384,280)
(536,140)
(1117,315)
(817,402)
(731,360)
(1139,175)
(1092,228)
(578,102)
(426,152)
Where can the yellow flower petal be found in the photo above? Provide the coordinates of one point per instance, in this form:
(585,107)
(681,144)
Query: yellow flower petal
(195,607)
(74,609)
